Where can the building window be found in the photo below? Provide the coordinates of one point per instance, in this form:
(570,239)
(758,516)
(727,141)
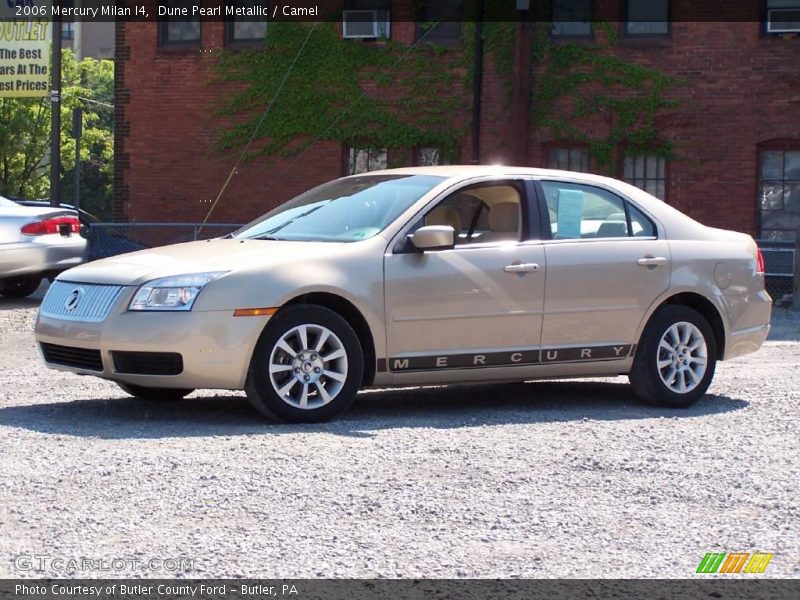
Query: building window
(246,29)
(67,31)
(363,160)
(439,20)
(179,29)
(571,18)
(367,19)
(782,16)
(779,194)
(647,17)
(647,172)
(429,157)
(568,159)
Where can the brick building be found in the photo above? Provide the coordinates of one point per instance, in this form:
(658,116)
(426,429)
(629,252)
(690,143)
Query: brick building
(735,131)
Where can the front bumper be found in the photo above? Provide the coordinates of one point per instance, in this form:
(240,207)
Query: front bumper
(36,256)
(215,346)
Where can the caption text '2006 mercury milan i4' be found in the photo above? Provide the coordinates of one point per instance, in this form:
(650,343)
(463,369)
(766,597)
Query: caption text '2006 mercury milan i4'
(430,275)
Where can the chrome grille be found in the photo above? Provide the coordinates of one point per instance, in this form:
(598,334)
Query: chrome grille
(84,302)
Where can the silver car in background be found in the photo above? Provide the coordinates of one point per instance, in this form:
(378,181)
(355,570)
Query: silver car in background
(36,242)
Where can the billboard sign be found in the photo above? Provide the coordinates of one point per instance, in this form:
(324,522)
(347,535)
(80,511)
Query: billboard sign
(25,36)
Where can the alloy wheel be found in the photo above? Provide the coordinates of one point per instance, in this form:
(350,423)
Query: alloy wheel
(308,366)
(682,357)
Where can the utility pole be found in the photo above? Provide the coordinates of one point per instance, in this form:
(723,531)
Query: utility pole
(55,109)
(77,132)
(477,86)
(521,95)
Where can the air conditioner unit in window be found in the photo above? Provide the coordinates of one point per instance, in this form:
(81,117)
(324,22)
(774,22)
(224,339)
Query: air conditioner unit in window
(365,24)
(783,20)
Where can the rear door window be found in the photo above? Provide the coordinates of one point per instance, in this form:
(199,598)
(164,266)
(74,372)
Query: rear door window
(586,212)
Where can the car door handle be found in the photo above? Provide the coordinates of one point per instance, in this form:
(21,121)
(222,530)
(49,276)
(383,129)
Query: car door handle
(521,268)
(652,261)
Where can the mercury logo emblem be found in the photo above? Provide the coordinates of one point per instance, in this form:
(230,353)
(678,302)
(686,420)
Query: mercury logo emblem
(73,298)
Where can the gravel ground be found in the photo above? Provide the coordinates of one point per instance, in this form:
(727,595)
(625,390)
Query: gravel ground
(555,479)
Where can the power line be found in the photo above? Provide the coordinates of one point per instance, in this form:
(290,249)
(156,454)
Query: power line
(260,121)
(92,101)
(343,113)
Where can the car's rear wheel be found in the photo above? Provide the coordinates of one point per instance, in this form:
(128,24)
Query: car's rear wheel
(20,287)
(675,359)
(307,366)
(155,394)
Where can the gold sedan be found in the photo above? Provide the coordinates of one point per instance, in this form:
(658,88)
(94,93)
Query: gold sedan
(429,275)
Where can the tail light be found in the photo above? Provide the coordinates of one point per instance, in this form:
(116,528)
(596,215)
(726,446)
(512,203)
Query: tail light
(760,262)
(62,225)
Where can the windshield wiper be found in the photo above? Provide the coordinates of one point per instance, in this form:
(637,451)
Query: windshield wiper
(293,219)
(270,238)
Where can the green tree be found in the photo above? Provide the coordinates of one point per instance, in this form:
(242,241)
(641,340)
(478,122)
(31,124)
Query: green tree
(25,137)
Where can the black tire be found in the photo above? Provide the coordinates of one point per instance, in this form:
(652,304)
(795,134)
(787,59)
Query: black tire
(154,394)
(20,287)
(645,376)
(259,386)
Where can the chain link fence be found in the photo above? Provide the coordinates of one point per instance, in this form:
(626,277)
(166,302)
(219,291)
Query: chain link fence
(110,239)
(779,260)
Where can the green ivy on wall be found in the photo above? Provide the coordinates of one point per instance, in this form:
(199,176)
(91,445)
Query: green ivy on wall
(411,105)
(421,97)
(579,81)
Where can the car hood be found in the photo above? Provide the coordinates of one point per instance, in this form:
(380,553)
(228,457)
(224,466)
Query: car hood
(136,268)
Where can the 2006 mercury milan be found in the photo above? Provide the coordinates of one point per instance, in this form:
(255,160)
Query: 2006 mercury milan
(420,276)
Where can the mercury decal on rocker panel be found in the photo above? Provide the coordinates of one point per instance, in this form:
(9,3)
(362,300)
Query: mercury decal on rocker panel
(510,358)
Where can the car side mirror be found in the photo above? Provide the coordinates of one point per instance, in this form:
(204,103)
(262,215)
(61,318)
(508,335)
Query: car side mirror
(434,237)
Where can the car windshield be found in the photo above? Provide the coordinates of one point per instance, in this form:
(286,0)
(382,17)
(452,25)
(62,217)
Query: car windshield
(345,210)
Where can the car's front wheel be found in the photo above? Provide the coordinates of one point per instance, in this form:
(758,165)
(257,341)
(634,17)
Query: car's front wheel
(307,366)
(20,287)
(154,394)
(675,359)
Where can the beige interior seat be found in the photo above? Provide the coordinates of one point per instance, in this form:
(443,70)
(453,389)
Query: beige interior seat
(612,229)
(444,215)
(503,222)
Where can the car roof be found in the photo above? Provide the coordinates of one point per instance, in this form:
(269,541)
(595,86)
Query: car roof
(461,171)
(469,171)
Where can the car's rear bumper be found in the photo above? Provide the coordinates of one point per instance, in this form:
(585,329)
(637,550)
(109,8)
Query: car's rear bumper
(29,258)
(746,341)
(748,319)
(215,346)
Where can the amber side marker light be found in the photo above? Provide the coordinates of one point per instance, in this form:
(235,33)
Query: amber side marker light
(255,312)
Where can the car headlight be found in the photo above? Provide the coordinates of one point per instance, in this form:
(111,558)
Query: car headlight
(171,293)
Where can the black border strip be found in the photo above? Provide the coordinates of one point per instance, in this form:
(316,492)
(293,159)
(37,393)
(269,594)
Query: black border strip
(410,11)
(411,589)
